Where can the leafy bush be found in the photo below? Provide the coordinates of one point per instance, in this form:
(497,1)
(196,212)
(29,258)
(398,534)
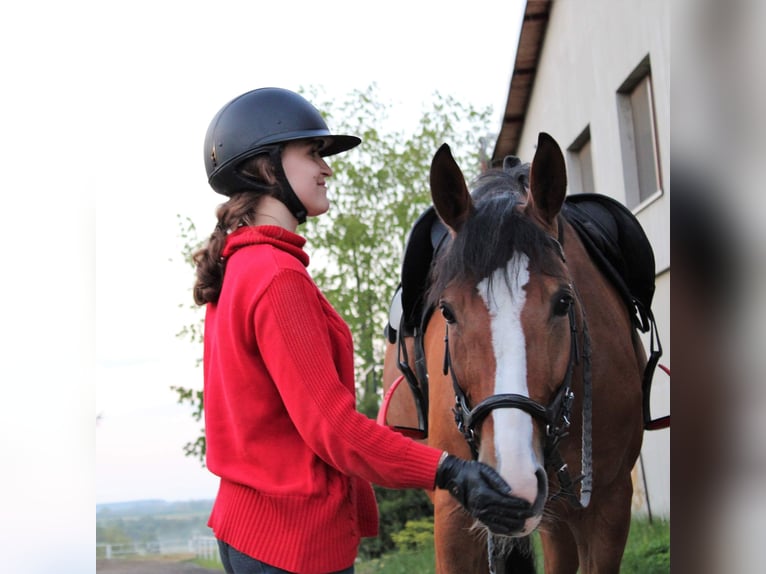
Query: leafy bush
(417,534)
(396,508)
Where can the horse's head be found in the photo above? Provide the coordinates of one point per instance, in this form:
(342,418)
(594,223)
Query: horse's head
(506,295)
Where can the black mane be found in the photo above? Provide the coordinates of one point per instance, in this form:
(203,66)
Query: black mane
(493,233)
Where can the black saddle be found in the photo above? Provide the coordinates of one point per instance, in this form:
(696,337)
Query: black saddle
(618,245)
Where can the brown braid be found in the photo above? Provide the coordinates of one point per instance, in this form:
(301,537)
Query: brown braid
(238,211)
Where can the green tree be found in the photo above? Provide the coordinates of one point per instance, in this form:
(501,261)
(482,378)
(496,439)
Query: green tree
(193,332)
(377,191)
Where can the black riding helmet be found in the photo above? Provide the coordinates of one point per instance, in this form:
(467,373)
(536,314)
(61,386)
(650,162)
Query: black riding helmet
(262,121)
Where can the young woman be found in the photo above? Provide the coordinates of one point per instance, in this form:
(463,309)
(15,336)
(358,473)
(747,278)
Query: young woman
(294,457)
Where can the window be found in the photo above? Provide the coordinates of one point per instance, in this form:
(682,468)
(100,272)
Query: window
(640,157)
(581,164)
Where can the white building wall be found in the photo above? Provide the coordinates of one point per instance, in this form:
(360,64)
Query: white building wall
(652,479)
(590,49)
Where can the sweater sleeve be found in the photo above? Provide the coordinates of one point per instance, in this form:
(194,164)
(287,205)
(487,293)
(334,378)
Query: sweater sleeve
(293,336)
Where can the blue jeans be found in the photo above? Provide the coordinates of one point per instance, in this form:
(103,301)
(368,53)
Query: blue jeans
(235,562)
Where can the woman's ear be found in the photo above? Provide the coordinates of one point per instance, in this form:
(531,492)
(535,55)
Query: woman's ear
(268,172)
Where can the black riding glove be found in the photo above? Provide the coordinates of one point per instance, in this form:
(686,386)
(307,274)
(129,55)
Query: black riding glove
(483,493)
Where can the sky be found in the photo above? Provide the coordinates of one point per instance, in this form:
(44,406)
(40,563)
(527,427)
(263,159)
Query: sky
(103,114)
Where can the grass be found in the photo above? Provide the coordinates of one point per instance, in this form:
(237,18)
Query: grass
(406,562)
(207,563)
(647,552)
(648,548)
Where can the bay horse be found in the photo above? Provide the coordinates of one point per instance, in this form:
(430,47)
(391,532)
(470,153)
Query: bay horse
(532,365)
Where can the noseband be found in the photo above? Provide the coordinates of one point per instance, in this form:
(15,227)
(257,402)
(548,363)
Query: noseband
(556,416)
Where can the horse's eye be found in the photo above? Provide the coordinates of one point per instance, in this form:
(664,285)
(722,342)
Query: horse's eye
(447,313)
(562,304)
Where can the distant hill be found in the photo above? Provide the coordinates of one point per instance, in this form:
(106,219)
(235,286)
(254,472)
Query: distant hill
(152,507)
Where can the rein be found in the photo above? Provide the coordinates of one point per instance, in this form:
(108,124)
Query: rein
(556,417)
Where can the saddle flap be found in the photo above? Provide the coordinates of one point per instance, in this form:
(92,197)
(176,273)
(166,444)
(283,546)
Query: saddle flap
(618,245)
(425,235)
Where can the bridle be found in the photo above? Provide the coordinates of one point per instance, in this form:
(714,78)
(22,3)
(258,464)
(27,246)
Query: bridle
(556,416)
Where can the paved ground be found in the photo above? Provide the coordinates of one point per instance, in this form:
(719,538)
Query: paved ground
(136,566)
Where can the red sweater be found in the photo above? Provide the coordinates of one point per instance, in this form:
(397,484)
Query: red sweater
(294,456)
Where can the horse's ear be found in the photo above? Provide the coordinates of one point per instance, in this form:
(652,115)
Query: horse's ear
(547,180)
(449,192)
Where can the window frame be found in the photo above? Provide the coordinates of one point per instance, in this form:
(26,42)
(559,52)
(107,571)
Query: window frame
(638,195)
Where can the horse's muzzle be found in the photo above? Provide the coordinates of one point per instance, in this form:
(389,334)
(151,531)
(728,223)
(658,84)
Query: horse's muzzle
(537,506)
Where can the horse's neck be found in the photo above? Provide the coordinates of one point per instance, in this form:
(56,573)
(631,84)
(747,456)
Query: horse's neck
(609,320)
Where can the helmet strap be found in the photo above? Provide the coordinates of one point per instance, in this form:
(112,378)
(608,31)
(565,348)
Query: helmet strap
(289,198)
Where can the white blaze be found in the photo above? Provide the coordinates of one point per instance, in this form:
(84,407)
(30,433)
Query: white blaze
(516,461)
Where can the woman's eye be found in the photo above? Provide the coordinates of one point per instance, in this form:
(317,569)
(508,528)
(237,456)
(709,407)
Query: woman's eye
(317,147)
(447,313)
(562,305)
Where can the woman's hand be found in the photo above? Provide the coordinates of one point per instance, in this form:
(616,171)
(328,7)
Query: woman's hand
(484,494)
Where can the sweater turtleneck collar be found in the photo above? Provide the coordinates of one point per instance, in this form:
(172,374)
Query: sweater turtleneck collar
(279,237)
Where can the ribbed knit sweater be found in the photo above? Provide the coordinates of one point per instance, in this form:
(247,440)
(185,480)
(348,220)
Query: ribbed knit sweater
(294,456)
